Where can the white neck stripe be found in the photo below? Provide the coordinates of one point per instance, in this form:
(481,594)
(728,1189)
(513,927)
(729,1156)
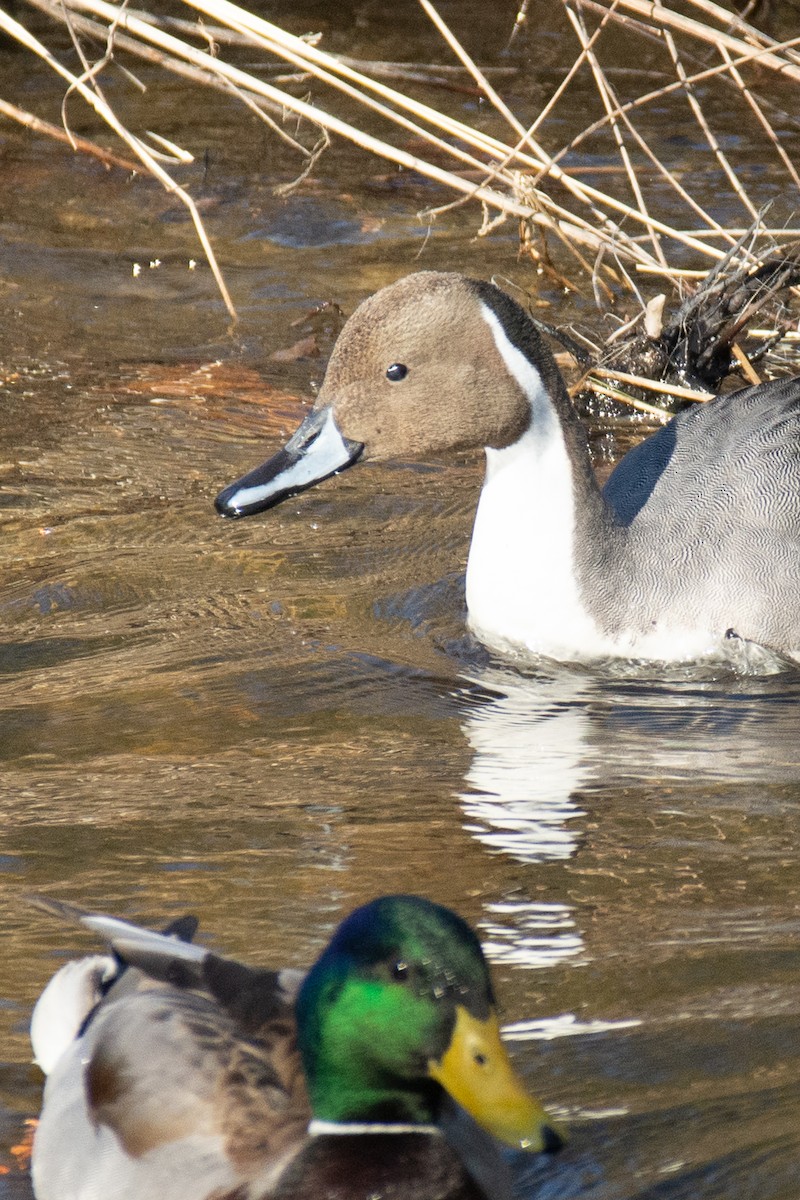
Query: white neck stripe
(523,592)
(317,1127)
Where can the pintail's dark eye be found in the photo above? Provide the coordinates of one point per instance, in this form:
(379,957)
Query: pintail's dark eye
(400,971)
(396,372)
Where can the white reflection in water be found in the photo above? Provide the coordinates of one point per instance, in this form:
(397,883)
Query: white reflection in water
(528,759)
(565,1025)
(529,934)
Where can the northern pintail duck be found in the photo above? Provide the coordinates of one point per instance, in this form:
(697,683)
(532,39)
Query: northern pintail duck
(694,539)
(176,1074)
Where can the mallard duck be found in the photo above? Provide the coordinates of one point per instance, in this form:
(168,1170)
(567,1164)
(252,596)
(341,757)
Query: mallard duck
(176,1074)
(693,544)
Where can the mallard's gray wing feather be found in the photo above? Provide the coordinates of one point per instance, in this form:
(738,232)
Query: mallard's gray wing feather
(184,1084)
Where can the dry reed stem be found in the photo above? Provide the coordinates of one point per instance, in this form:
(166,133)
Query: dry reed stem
(751,58)
(579,190)
(295,50)
(176,66)
(673,272)
(250,25)
(20,34)
(710,137)
(54,131)
(748,370)
(613,393)
(733,20)
(757,110)
(289,46)
(622,110)
(327,67)
(481,80)
(652,385)
(684,82)
(300,107)
(280,42)
(582,216)
(313,64)
(606,97)
(567,80)
(669,19)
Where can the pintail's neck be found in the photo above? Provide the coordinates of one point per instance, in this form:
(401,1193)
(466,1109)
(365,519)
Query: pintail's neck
(542,522)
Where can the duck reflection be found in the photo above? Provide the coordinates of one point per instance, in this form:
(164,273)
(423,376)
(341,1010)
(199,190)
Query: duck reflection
(528,737)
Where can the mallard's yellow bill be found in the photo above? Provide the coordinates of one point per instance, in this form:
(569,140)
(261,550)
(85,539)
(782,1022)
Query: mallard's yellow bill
(477,1072)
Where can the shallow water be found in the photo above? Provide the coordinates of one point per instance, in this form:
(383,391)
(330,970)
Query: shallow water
(270,721)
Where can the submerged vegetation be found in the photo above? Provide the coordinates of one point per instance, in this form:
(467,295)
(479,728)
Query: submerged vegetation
(642,230)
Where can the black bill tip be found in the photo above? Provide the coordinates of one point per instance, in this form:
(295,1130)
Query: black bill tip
(316,451)
(552,1140)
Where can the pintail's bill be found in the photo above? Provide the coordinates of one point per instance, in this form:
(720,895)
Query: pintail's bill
(315,451)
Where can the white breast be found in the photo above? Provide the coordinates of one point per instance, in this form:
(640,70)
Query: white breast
(522,591)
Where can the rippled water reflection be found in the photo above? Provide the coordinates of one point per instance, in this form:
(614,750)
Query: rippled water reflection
(271,721)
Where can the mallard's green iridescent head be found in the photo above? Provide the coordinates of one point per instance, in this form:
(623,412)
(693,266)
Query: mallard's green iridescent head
(399,1006)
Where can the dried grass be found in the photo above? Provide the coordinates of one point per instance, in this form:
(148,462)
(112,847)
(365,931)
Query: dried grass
(652,225)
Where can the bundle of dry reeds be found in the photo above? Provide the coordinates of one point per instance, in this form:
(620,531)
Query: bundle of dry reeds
(649,225)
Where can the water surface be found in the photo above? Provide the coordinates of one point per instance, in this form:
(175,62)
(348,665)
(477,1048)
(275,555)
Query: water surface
(268,722)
